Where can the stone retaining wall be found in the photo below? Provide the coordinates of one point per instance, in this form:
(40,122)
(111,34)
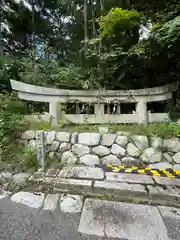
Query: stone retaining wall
(91,149)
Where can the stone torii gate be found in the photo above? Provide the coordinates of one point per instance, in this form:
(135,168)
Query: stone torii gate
(98,99)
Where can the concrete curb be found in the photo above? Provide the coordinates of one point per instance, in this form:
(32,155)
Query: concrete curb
(114,186)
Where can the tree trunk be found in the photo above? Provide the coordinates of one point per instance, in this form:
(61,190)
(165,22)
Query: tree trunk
(1,41)
(85,25)
(33,27)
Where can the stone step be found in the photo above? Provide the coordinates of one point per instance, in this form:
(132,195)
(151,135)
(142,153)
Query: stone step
(119,220)
(49,202)
(93,182)
(122,221)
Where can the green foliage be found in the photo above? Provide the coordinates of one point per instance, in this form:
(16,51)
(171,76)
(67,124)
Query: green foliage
(169,34)
(166,130)
(27,160)
(8,70)
(175,112)
(40,124)
(69,77)
(115,58)
(11,126)
(47,72)
(38,72)
(118,20)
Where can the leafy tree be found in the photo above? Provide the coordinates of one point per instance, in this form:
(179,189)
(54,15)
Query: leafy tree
(115,56)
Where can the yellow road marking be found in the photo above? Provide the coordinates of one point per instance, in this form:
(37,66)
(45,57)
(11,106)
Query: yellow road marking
(155,173)
(128,170)
(141,171)
(145,171)
(134,168)
(168,174)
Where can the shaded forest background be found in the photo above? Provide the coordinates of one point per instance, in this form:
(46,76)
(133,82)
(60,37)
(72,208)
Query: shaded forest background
(90,44)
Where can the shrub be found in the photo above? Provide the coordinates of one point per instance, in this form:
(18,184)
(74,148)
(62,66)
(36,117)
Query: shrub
(12,123)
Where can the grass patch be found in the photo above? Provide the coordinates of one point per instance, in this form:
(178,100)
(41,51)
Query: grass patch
(155,129)
(23,160)
(40,125)
(167,130)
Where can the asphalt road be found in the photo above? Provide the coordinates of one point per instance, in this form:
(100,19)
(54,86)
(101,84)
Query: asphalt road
(19,222)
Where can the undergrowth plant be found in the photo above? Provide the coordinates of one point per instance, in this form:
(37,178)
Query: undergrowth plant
(13,153)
